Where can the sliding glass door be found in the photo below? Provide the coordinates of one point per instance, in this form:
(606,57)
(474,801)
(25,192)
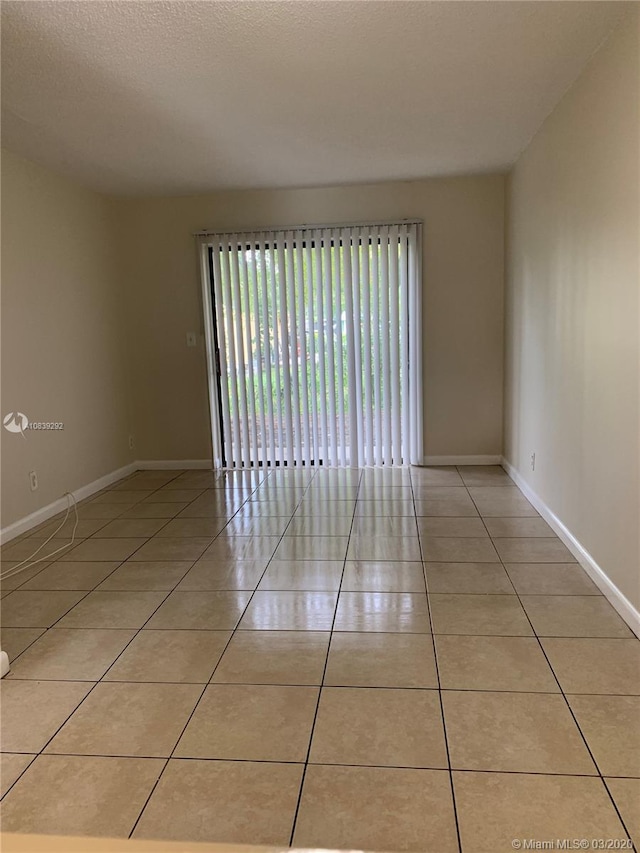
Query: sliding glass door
(314,346)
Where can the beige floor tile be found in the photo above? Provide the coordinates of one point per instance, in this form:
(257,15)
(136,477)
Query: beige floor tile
(166,548)
(202,611)
(104,510)
(212,574)
(32,711)
(251,722)
(508,492)
(290,611)
(385,508)
(551,579)
(574,616)
(379,576)
(533,550)
(21,577)
(121,496)
(311,525)
(143,720)
(132,527)
(85,527)
(185,528)
(369,491)
(331,491)
(462,507)
(376,808)
(515,732)
(155,510)
(146,576)
(501,502)
(67,654)
(242,547)
(530,807)
(447,527)
(12,765)
(519,527)
(459,549)
(381,660)
(484,475)
(493,663)
(291,476)
(380,525)
(113,610)
(446,475)
(383,611)
(274,657)
(281,503)
(497,615)
(389,476)
(468,578)
(406,548)
(614,665)
(66,575)
(230,801)
(37,609)
(258,512)
(178,656)
(206,508)
(611,726)
(379,727)
(172,495)
(271,525)
(21,549)
(277,492)
(626,794)
(440,493)
(80,795)
(14,641)
(149,479)
(312,548)
(104,549)
(303,574)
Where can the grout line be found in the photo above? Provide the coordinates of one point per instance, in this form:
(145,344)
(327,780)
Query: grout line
(437,669)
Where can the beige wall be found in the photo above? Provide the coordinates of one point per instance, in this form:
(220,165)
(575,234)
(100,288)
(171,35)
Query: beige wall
(463,298)
(572,310)
(61,337)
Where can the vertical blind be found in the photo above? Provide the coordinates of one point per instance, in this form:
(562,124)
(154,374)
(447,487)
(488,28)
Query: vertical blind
(314,337)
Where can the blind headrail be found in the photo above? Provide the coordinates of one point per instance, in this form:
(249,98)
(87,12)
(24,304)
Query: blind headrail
(280,229)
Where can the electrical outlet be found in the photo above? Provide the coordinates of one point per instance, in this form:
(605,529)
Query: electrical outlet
(33,480)
(533,461)
(192,339)
(131,443)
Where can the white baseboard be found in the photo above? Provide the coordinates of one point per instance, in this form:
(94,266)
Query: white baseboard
(597,574)
(172,464)
(46,512)
(462,460)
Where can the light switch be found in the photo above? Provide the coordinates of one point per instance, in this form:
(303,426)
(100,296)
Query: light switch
(192,339)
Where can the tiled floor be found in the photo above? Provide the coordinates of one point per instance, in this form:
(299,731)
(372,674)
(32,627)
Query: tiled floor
(399,659)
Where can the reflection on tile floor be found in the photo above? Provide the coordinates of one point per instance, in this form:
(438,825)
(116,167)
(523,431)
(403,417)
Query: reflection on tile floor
(381,659)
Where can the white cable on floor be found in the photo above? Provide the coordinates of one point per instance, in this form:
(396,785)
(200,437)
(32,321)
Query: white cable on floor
(29,561)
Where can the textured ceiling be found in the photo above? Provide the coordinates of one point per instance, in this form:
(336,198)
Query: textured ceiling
(153,97)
